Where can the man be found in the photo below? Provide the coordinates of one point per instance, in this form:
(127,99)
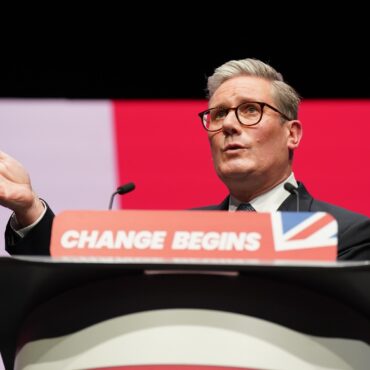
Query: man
(253,131)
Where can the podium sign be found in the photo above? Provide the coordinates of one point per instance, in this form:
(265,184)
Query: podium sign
(171,236)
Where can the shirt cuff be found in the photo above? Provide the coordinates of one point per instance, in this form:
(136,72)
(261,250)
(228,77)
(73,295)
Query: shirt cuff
(25,230)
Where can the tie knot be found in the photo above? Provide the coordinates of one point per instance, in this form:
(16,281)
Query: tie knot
(245,207)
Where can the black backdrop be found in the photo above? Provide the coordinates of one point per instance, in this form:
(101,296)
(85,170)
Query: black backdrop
(324,57)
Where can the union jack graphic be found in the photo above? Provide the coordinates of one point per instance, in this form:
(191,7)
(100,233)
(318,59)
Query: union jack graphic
(303,230)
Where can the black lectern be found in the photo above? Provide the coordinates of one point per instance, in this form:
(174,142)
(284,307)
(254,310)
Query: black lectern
(57,314)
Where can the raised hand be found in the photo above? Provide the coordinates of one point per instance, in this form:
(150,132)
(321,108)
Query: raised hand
(16,191)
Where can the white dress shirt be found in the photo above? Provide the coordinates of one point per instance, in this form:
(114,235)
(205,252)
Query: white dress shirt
(269,201)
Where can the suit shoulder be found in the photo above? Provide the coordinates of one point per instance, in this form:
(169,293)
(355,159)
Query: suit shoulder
(223,206)
(337,211)
(215,207)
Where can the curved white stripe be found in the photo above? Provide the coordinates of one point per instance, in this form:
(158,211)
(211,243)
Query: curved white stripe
(191,337)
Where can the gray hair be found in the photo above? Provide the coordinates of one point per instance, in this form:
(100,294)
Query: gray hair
(286,98)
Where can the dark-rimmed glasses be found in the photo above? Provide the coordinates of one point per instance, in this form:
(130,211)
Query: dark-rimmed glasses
(247,113)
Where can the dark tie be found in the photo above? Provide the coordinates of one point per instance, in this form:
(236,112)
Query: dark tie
(245,207)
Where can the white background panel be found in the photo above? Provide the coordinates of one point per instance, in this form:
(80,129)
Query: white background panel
(67,146)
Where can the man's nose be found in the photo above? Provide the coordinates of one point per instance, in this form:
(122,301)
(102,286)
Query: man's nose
(230,123)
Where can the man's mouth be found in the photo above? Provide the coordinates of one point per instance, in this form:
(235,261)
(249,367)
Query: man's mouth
(233,147)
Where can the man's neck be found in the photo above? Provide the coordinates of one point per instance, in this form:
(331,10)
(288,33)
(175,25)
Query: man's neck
(249,189)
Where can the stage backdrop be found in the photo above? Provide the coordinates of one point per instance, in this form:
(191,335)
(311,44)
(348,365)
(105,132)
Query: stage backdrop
(77,152)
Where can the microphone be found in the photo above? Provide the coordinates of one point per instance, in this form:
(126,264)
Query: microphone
(292,190)
(123,189)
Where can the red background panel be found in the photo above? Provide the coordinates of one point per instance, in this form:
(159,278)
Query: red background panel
(163,149)
(333,158)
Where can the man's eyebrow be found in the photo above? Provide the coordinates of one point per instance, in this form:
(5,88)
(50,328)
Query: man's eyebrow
(220,106)
(227,106)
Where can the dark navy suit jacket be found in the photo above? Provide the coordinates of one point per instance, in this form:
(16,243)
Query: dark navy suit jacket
(353,228)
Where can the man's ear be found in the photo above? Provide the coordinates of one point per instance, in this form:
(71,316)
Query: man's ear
(295,133)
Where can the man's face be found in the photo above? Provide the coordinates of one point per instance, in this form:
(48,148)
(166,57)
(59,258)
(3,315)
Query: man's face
(257,153)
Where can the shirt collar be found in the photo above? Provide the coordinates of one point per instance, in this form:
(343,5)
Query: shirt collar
(269,201)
